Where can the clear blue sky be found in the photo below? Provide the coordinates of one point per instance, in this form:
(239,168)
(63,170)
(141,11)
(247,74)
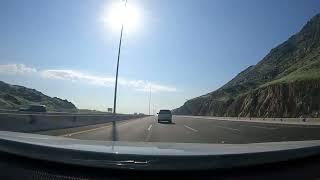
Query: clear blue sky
(184,48)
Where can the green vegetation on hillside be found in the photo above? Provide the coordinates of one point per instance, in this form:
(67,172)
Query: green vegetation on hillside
(294,63)
(15,97)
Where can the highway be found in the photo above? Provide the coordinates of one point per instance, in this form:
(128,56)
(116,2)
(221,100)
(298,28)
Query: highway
(192,130)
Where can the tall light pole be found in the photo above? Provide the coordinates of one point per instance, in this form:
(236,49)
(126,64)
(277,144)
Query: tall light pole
(149,100)
(114,130)
(117,72)
(154,109)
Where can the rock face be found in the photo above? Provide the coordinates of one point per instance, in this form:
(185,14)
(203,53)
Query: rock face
(14,97)
(279,100)
(285,83)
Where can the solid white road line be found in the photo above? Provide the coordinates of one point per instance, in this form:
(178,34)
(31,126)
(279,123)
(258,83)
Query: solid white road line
(85,131)
(297,126)
(232,129)
(261,127)
(191,128)
(89,130)
(149,128)
(267,121)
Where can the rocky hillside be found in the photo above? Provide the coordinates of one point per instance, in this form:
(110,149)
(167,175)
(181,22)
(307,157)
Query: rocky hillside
(14,97)
(285,83)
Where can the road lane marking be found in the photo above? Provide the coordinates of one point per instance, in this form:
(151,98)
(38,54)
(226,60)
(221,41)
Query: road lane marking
(267,121)
(232,129)
(89,130)
(85,131)
(297,126)
(264,127)
(148,133)
(261,127)
(191,128)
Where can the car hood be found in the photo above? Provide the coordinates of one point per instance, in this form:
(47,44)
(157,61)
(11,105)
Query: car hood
(152,156)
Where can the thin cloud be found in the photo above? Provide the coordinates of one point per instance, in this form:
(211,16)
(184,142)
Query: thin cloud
(146,86)
(77,76)
(14,69)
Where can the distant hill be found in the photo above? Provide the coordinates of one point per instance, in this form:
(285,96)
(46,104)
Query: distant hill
(14,97)
(285,83)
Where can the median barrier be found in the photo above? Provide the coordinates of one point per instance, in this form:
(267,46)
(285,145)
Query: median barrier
(42,122)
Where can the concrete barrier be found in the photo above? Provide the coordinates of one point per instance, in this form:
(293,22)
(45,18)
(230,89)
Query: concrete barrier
(41,122)
(299,121)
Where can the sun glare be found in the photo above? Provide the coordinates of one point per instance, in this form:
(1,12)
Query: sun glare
(117,14)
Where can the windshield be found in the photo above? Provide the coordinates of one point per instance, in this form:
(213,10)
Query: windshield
(226,71)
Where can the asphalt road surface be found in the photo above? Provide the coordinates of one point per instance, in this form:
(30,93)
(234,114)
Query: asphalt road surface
(192,130)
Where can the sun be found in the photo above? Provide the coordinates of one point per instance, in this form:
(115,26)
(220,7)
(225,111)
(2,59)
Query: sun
(118,14)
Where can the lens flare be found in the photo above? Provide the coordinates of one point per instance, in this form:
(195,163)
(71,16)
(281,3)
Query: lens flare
(118,14)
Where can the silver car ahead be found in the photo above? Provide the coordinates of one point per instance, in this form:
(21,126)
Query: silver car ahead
(165,115)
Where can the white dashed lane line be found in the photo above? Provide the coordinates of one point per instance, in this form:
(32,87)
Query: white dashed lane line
(190,128)
(148,133)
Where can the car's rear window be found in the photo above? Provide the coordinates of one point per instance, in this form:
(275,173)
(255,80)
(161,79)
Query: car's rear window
(165,112)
